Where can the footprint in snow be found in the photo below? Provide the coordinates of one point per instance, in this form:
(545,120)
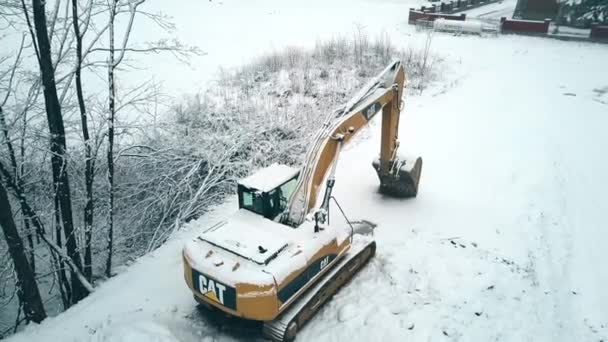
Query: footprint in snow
(601,91)
(144,330)
(348,312)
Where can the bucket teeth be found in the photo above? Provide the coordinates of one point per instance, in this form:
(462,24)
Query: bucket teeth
(399,177)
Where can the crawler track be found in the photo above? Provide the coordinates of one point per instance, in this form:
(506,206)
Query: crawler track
(286,326)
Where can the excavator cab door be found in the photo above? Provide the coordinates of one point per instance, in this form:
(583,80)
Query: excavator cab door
(251,199)
(278,198)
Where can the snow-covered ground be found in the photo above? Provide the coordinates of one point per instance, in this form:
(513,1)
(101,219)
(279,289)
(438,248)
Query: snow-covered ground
(505,240)
(231,32)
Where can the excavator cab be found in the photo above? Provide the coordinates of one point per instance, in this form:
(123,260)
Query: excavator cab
(267,191)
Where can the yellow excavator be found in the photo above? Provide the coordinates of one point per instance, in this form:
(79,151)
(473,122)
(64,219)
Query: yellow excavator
(277,259)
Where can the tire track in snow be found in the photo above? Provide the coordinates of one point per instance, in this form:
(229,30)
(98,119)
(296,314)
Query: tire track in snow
(550,213)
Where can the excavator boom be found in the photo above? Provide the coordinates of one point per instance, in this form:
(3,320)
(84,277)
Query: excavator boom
(398,176)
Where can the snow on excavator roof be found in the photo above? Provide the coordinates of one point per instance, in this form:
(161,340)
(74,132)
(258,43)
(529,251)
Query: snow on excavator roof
(248,235)
(269,177)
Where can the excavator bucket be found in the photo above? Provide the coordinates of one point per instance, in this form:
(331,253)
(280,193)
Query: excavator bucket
(399,177)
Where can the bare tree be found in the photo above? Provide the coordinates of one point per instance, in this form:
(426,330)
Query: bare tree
(110,154)
(75,48)
(113,63)
(17,170)
(28,292)
(57,145)
(41,231)
(89,173)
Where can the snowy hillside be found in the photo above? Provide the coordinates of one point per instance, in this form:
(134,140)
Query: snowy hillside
(506,239)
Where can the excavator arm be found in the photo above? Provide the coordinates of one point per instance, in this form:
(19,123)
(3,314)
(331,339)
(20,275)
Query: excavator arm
(398,176)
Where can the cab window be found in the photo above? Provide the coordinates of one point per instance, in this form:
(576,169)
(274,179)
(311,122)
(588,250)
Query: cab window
(279,197)
(286,190)
(252,200)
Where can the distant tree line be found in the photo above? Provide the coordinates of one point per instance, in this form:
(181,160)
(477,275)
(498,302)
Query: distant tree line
(578,13)
(583,13)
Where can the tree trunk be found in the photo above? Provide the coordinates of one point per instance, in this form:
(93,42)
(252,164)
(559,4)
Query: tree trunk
(18,172)
(58,144)
(31,216)
(28,291)
(26,220)
(64,285)
(30,241)
(89,172)
(110,156)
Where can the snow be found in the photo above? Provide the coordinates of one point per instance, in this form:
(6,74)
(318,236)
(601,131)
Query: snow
(244,233)
(269,177)
(506,239)
(231,32)
(306,248)
(222,265)
(137,331)
(347,312)
(570,31)
(219,248)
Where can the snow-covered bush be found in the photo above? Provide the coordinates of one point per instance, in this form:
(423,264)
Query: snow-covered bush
(261,113)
